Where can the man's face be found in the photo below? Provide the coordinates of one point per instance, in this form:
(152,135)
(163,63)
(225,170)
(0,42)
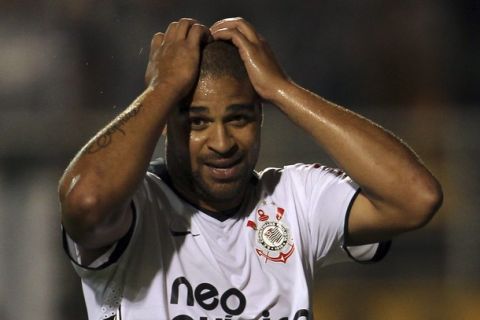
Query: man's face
(213,143)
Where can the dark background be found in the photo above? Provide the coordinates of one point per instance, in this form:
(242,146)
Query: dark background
(68,67)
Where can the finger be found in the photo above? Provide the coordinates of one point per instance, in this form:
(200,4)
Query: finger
(198,33)
(239,23)
(158,37)
(226,20)
(171,32)
(184,26)
(156,42)
(235,36)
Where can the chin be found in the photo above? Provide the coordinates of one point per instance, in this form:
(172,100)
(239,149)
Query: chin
(222,192)
(228,192)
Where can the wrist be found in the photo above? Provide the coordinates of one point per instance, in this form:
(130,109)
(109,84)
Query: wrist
(164,91)
(279,91)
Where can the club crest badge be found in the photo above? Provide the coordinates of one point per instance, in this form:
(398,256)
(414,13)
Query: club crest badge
(273,239)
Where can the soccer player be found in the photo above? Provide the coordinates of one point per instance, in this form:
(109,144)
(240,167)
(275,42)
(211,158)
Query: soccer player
(202,235)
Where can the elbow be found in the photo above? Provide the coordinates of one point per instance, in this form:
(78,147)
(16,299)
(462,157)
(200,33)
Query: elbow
(427,201)
(81,209)
(80,202)
(92,216)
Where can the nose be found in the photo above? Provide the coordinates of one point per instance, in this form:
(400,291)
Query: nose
(221,141)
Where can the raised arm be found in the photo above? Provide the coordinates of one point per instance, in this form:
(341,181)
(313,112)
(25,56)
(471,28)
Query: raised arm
(96,189)
(398,193)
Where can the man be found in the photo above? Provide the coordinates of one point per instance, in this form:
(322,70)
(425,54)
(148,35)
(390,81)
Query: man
(204,236)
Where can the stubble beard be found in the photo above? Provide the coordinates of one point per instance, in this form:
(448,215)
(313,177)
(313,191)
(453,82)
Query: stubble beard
(218,193)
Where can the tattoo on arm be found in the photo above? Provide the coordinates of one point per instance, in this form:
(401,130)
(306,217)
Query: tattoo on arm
(104,138)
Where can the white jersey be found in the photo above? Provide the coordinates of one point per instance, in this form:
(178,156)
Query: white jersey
(180,263)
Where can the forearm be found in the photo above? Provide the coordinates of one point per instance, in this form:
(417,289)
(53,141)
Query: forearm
(99,183)
(104,174)
(398,193)
(384,167)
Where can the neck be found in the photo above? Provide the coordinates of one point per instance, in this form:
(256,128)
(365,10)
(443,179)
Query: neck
(208,205)
(219,206)
(183,188)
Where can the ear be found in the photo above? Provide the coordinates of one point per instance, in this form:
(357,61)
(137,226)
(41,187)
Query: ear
(164,131)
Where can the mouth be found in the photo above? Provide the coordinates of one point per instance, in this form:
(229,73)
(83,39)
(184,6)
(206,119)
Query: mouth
(224,170)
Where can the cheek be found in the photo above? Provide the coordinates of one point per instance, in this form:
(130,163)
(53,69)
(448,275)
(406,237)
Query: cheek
(195,145)
(195,138)
(250,140)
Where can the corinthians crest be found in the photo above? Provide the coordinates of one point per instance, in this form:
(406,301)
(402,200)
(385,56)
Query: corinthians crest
(273,239)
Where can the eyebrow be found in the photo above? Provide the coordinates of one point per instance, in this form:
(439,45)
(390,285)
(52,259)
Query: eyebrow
(249,107)
(195,109)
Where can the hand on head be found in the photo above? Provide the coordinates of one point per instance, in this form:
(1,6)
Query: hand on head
(175,55)
(264,72)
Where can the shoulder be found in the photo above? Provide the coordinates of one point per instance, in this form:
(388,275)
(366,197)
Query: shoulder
(302,171)
(306,181)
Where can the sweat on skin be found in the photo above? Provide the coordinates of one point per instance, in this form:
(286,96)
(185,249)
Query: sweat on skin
(213,143)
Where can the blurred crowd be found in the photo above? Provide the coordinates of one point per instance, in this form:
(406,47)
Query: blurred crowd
(67,67)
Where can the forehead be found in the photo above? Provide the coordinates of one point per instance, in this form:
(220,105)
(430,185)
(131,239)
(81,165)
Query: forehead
(220,92)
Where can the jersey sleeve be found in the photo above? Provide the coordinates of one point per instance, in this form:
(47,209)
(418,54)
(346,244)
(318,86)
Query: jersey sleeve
(328,195)
(103,280)
(109,257)
(113,254)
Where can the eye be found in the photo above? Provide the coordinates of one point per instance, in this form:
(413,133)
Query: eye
(198,123)
(240,120)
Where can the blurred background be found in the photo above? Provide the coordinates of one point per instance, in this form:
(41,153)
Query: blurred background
(68,67)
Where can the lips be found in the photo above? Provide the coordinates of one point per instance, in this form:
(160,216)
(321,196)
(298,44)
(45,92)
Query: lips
(224,169)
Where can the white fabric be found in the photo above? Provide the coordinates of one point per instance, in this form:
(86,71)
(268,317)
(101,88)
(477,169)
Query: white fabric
(222,268)
(74,254)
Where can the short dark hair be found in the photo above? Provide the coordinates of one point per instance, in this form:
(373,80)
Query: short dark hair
(221,58)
